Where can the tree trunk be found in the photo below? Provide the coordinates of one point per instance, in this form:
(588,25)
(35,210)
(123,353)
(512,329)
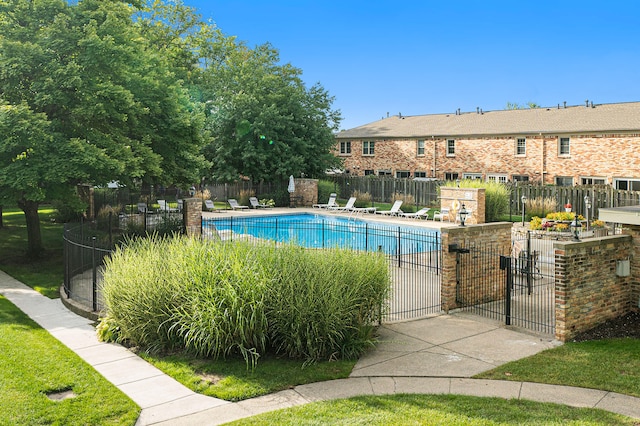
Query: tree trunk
(0,216)
(34,236)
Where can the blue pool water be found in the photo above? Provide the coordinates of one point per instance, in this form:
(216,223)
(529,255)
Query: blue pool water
(328,231)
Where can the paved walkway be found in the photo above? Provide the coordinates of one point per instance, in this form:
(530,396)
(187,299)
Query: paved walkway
(434,356)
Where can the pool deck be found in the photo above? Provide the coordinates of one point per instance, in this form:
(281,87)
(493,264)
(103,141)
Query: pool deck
(380,218)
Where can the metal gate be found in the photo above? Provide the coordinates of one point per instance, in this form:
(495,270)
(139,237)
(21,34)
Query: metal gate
(518,289)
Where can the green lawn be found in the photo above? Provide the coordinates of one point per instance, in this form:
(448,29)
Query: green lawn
(611,365)
(34,364)
(434,410)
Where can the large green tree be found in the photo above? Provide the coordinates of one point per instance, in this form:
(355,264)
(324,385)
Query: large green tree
(264,122)
(86,98)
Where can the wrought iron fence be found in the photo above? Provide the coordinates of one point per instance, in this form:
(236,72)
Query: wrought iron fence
(414,254)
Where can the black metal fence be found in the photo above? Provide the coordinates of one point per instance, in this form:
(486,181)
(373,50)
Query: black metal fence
(414,254)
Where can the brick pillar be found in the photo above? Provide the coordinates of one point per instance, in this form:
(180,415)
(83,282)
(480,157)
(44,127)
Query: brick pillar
(634,231)
(192,215)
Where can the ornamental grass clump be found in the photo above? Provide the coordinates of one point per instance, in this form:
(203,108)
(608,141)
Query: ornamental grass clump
(219,298)
(326,303)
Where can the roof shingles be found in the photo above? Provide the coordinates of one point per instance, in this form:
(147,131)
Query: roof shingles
(620,117)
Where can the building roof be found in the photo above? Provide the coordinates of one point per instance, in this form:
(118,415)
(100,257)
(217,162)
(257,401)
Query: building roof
(604,118)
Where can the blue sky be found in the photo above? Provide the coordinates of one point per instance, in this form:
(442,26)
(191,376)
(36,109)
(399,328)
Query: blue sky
(426,57)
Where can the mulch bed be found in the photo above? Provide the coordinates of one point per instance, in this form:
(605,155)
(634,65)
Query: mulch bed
(625,326)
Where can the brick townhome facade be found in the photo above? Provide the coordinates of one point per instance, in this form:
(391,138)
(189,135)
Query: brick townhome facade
(573,145)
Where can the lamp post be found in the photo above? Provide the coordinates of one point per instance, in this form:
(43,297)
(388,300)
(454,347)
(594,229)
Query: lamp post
(192,191)
(463,215)
(524,204)
(575,227)
(587,206)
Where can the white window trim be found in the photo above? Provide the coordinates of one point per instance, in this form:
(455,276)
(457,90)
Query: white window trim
(472,176)
(454,148)
(369,148)
(560,153)
(628,180)
(497,177)
(524,154)
(594,178)
(345,145)
(424,150)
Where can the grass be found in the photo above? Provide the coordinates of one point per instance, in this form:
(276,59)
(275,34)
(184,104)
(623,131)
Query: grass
(611,365)
(44,275)
(231,380)
(33,364)
(434,410)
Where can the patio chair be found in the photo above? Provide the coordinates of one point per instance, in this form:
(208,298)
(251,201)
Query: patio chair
(442,215)
(164,207)
(394,211)
(346,207)
(422,213)
(234,204)
(142,208)
(256,204)
(208,204)
(330,203)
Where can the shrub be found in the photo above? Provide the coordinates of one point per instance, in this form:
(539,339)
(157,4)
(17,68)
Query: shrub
(363,199)
(496,197)
(325,189)
(408,200)
(216,298)
(540,206)
(243,198)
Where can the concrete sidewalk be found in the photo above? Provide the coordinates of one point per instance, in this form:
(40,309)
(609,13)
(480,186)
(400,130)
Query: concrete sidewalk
(435,356)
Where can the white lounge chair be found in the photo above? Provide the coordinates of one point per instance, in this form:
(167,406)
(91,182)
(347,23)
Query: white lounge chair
(346,207)
(442,215)
(330,203)
(234,204)
(180,205)
(422,213)
(142,208)
(164,207)
(256,204)
(208,204)
(394,211)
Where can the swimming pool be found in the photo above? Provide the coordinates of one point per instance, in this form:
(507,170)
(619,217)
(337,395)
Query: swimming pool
(324,231)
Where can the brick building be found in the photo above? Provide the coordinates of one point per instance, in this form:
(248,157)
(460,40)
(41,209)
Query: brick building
(563,145)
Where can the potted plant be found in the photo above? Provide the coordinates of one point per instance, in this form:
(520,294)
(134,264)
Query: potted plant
(567,207)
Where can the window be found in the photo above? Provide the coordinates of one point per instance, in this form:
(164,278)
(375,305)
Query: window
(345,148)
(403,174)
(521,146)
(564,181)
(477,176)
(368,147)
(418,174)
(520,178)
(497,178)
(451,147)
(627,184)
(384,172)
(420,148)
(593,181)
(563,147)
(450,176)
(369,173)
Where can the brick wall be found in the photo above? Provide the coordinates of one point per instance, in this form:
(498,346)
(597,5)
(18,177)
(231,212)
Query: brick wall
(192,214)
(494,236)
(306,192)
(472,198)
(591,155)
(588,291)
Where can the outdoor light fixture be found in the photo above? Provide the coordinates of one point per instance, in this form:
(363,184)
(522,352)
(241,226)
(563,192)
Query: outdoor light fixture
(524,203)
(463,215)
(192,191)
(575,227)
(587,205)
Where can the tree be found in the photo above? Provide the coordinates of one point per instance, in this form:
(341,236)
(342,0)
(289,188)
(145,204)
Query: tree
(86,99)
(513,105)
(264,123)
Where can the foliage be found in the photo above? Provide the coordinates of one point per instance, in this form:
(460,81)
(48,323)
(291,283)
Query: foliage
(598,224)
(324,303)
(563,216)
(540,206)
(86,98)
(243,197)
(267,202)
(408,201)
(325,189)
(264,123)
(218,298)
(35,364)
(496,197)
(363,199)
